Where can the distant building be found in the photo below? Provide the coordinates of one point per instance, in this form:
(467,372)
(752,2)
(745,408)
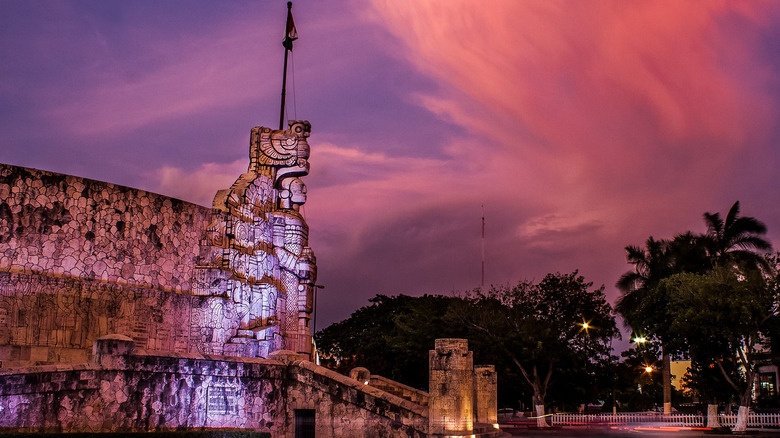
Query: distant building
(678,369)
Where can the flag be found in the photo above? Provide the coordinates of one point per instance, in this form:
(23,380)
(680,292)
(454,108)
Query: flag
(291,33)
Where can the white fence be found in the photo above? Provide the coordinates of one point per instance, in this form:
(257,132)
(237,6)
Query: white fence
(755,420)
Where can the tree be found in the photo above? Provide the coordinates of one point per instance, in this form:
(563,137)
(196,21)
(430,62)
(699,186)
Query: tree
(725,314)
(643,308)
(705,380)
(736,241)
(391,337)
(639,383)
(555,324)
(651,265)
(646,308)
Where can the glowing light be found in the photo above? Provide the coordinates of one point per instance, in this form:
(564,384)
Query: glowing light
(640,340)
(648,369)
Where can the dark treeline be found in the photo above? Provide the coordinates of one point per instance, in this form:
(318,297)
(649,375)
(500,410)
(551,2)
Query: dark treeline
(710,297)
(548,340)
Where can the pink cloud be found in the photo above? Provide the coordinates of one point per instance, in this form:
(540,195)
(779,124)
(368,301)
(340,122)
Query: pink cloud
(592,99)
(591,125)
(546,62)
(580,126)
(199,185)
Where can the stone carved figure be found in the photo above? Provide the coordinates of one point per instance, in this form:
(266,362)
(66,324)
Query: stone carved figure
(256,254)
(292,193)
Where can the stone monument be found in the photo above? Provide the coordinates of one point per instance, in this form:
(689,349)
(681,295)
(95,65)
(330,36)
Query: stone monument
(128,311)
(256,251)
(81,259)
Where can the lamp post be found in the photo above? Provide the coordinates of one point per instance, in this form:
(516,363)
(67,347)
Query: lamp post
(314,316)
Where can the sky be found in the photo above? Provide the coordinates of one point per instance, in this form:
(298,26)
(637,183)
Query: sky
(575,128)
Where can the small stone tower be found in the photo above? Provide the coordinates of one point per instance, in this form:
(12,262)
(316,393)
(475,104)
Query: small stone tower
(451,388)
(485,394)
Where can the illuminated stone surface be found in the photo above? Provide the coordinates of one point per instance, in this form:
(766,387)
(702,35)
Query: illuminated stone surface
(485,394)
(256,251)
(80,259)
(125,389)
(124,310)
(451,388)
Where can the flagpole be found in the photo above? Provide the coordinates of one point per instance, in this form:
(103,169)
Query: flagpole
(287,45)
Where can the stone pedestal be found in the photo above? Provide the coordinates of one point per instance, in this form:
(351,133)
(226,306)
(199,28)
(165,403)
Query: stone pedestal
(485,394)
(243,344)
(112,351)
(451,388)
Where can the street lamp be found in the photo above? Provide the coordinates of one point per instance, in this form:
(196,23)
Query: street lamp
(314,317)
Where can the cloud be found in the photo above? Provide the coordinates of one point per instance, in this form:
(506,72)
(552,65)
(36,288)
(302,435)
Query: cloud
(197,79)
(589,127)
(198,186)
(581,127)
(599,104)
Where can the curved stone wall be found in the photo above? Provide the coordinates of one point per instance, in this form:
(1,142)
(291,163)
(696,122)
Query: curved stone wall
(81,258)
(77,227)
(124,389)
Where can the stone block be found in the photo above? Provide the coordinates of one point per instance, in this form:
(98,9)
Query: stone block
(113,351)
(485,394)
(451,387)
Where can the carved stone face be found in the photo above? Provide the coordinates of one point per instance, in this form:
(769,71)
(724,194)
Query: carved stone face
(292,193)
(297,191)
(286,150)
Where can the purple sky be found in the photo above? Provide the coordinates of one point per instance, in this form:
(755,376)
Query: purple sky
(581,127)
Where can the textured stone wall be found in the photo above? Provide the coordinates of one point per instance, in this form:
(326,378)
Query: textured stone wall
(144,393)
(485,394)
(71,226)
(406,392)
(451,387)
(48,319)
(348,408)
(124,389)
(82,258)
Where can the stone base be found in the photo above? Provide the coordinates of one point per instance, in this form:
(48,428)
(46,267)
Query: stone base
(240,346)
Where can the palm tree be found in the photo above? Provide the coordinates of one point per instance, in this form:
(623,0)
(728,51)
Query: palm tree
(735,241)
(688,253)
(735,245)
(651,265)
(643,306)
